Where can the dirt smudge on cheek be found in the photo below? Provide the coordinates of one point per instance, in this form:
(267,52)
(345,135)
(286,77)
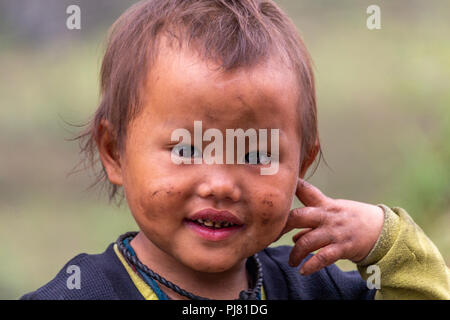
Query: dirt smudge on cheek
(270,225)
(265,218)
(168,191)
(268,202)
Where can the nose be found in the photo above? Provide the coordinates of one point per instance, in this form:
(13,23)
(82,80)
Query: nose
(220,186)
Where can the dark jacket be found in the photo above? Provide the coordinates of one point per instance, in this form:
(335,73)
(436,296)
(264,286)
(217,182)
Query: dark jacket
(103,277)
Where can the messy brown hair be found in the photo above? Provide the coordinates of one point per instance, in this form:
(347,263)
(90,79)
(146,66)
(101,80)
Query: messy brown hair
(235,33)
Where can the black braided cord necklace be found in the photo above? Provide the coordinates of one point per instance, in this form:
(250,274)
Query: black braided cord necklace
(253,265)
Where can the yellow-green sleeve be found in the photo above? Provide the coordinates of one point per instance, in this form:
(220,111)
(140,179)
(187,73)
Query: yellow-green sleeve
(410,265)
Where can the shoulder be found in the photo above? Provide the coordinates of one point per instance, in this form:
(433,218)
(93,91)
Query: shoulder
(88,277)
(282,281)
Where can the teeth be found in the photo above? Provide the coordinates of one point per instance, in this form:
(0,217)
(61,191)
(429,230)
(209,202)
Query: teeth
(215,224)
(208,223)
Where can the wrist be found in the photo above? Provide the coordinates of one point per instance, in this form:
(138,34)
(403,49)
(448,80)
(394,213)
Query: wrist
(385,240)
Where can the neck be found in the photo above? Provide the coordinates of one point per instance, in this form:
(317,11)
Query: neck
(231,282)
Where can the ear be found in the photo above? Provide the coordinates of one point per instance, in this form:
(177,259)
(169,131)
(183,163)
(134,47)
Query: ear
(108,151)
(309,159)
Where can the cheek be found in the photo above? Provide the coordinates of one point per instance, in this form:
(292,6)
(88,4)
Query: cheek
(271,212)
(274,207)
(156,212)
(151,191)
(155,205)
(275,199)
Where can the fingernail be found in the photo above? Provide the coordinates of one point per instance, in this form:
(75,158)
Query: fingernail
(302,272)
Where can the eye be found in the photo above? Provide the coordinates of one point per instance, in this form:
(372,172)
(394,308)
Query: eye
(256,157)
(186,151)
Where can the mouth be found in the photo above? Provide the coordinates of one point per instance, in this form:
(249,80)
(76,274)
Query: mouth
(214,225)
(212,218)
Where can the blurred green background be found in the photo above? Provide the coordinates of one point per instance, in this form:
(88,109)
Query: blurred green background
(384,111)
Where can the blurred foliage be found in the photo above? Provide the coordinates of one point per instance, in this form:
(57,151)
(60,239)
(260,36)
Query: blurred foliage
(384,110)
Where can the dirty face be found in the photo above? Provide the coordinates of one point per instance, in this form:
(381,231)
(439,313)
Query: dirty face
(164,197)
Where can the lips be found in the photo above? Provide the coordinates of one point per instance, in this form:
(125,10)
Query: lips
(214,225)
(224,217)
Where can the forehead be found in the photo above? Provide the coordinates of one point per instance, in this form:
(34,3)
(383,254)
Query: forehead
(181,87)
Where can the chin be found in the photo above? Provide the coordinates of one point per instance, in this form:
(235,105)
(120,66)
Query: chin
(213,263)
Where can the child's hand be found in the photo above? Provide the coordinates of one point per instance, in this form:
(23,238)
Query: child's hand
(344,229)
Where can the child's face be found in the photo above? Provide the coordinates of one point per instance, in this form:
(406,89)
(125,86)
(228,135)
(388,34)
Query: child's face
(163,196)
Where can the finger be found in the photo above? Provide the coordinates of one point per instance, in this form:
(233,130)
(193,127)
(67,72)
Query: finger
(301,233)
(306,217)
(326,256)
(309,195)
(311,241)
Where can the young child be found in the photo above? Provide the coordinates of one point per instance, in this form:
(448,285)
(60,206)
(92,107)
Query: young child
(205,226)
